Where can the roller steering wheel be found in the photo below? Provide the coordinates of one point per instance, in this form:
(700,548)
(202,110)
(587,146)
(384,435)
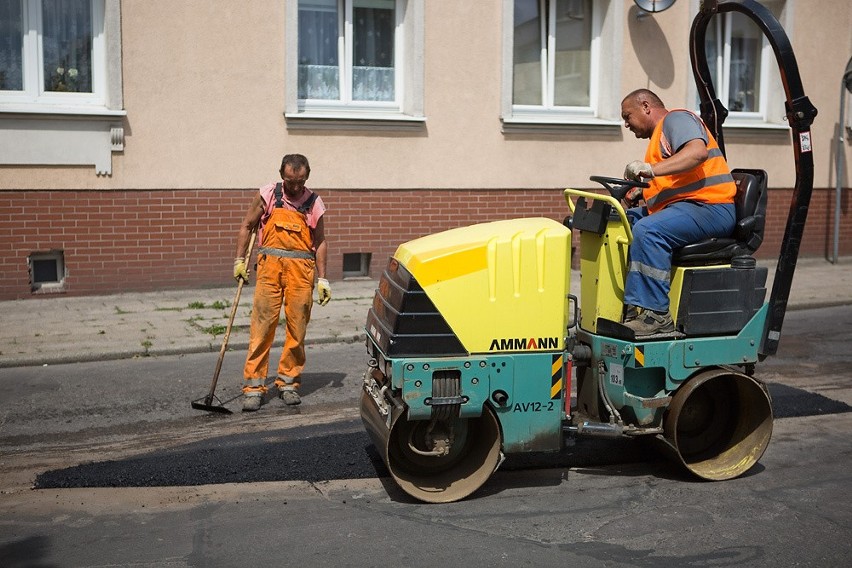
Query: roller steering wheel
(618,187)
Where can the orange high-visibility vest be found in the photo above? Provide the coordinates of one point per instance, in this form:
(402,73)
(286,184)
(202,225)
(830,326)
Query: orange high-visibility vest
(709,182)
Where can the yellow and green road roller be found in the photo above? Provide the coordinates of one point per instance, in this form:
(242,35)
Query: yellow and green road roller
(474,336)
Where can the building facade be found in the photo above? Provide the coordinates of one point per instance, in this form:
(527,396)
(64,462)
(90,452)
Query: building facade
(133,133)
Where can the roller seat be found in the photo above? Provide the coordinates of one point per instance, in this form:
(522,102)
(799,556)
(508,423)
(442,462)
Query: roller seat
(750,202)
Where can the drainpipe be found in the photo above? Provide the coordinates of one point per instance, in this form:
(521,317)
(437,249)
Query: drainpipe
(846,85)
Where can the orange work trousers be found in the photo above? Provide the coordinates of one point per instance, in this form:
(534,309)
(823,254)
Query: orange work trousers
(287,281)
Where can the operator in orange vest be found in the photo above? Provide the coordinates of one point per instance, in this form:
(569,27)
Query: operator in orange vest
(293,250)
(690,198)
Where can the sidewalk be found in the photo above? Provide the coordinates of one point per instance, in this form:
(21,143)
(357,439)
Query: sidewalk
(48,331)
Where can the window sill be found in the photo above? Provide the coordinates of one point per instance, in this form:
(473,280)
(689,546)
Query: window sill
(42,135)
(753,131)
(561,125)
(358,120)
(60,110)
(48,288)
(754,125)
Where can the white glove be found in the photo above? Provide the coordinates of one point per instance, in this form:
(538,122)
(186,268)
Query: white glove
(637,169)
(323,291)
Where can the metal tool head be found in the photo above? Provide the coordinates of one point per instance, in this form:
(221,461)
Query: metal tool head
(204,404)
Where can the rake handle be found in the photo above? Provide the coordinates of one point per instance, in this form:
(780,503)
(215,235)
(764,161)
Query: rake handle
(230,325)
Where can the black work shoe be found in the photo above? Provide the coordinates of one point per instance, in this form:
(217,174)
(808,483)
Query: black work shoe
(649,322)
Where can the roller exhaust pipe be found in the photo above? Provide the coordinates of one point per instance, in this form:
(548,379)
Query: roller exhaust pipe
(718,424)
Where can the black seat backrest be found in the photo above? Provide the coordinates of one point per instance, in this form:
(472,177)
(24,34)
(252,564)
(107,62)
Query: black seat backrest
(750,202)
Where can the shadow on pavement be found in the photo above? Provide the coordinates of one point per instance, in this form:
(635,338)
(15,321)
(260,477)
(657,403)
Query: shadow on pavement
(28,552)
(343,451)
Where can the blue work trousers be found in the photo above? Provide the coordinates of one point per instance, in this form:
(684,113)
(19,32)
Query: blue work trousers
(656,235)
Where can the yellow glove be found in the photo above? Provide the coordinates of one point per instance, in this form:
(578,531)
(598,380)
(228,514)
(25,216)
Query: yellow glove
(637,169)
(324,291)
(240,270)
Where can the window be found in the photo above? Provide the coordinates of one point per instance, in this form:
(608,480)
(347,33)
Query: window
(554,50)
(52,51)
(60,59)
(347,55)
(743,62)
(552,56)
(355,59)
(47,271)
(356,264)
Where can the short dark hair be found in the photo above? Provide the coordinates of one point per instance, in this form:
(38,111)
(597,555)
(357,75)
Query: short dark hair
(640,95)
(297,162)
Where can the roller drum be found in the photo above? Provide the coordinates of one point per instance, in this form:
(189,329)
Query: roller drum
(719,424)
(473,456)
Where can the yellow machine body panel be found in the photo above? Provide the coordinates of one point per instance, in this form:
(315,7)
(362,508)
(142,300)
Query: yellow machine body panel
(603,265)
(604,271)
(500,286)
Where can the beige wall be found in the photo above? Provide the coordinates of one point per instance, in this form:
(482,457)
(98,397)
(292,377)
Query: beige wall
(204,93)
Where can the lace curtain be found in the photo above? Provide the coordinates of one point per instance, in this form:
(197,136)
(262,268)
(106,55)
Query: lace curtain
(67,45)
(744,82)
(372,57)
(746,44)
(319,70)
(11,46)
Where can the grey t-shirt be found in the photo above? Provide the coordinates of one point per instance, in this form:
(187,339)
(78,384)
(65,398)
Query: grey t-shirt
(679,127)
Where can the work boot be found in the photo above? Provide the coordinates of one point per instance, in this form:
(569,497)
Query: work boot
(649,322)
(290,397)
(251,401)
(631,312)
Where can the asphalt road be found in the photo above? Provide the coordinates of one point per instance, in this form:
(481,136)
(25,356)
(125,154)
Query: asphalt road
(131,475)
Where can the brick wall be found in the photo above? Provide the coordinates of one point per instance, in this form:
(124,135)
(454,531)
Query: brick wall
(115,241)
(121,241)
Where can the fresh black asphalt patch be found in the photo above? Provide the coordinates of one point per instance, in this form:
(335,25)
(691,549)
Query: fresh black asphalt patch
(344,451)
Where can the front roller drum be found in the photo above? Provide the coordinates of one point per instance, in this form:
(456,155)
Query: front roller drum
(473,455)
(719,424)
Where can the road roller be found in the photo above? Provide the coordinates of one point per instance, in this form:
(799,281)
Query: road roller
(476,344)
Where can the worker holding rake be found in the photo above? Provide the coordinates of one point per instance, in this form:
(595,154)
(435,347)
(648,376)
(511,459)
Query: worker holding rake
(288,218)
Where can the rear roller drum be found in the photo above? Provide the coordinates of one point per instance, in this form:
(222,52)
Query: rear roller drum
(719,424)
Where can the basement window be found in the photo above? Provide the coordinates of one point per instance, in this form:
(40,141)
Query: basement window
(356,264)
(47,271)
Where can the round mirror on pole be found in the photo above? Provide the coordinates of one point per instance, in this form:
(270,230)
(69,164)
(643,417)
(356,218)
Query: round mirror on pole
(654,6)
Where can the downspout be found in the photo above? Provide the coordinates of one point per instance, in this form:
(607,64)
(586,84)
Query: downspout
(845,85)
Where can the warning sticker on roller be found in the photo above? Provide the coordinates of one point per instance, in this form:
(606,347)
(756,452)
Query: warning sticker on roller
(616,374)
(805,141)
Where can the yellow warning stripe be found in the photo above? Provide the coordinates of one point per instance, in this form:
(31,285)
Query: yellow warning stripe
(640,356)
(556,379)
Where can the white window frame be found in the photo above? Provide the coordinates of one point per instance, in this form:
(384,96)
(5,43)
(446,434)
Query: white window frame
(407,108)
(548,68)
(723,69)
(33,94)
(67,129)
(605,80)
(770,114)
